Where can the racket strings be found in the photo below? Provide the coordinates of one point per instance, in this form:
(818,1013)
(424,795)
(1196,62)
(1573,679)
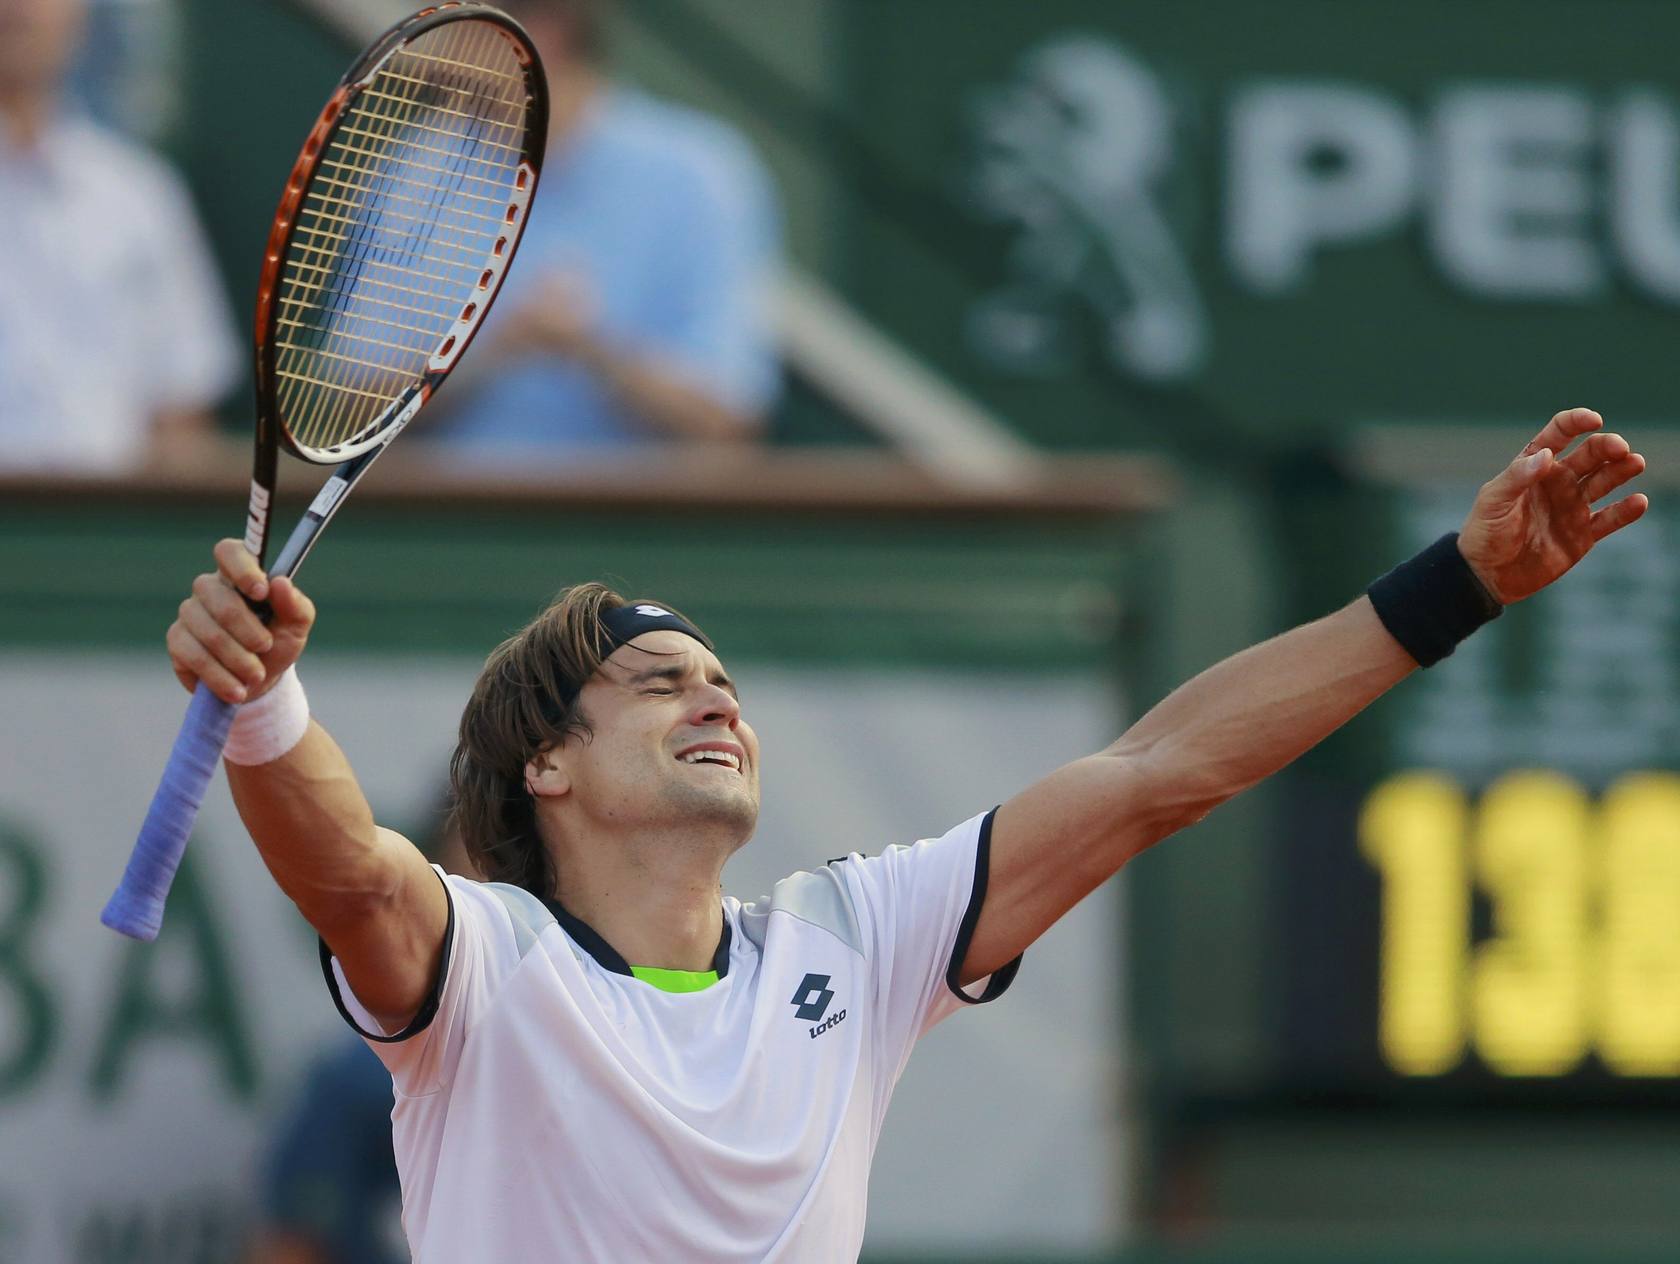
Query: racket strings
(396,229)
(394,140)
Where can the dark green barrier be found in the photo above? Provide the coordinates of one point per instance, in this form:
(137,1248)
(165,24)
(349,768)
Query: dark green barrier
(958,587)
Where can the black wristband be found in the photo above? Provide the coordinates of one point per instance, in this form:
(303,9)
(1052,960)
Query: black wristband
(1433,602)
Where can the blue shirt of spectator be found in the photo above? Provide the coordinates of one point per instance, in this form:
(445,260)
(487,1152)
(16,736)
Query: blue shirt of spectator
(331,1179)
(664,222)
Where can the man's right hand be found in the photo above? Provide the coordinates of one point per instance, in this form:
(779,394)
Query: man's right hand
(218,638)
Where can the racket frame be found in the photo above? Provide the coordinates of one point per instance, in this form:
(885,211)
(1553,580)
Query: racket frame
(136,908)
(356,455)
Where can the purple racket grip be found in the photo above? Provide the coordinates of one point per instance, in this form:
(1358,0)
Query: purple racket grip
(136,910)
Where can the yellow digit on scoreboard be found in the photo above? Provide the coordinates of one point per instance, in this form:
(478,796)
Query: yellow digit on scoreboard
(1413,830)
(1639,1004)
(1529,984)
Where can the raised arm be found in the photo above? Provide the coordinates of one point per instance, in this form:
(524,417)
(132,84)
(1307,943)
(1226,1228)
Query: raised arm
(367,890)
(1245,718)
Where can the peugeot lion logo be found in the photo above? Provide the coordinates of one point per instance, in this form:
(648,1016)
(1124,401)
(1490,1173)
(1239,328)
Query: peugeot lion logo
(1073,151)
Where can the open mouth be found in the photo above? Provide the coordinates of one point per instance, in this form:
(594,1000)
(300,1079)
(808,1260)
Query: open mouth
(727,759)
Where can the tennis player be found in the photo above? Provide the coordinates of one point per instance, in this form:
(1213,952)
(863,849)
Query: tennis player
(597,1055)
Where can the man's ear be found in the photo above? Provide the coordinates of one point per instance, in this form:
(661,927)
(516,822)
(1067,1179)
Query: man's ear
(546,776)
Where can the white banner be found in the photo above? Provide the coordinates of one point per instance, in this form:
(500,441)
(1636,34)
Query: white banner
(138,1083)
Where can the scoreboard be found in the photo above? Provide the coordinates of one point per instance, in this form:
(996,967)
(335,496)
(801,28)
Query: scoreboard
(1479,883)
(1581,959)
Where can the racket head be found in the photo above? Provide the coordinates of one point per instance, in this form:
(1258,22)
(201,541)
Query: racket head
(396,228)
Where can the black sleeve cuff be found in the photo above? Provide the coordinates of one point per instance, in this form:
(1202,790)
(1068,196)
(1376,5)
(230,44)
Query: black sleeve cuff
(1002,977)
(428,1011)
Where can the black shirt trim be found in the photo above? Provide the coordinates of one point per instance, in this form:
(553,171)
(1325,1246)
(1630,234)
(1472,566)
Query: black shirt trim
(1002,977)
(427,1011)
(608,957)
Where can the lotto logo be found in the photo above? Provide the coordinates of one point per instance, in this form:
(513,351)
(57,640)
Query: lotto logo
(653,612)
(811,1001)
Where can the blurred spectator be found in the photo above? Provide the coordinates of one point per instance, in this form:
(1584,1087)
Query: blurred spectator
(638,306)
(330,1193)
(114,334)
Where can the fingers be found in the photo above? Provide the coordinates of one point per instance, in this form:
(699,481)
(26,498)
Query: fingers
(1595,451)
(236,565)
(1564,429)
(215,637)
(218,639)
(1516,478)
(217,603)
(1613,518)
(193,661)
(1601,464)
(1607,478)
(294,613)
(225,648)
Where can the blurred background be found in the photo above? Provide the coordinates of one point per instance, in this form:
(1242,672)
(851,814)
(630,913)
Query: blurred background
(974,372)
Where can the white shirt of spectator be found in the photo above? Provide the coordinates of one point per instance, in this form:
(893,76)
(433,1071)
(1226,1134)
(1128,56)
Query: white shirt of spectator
(555,1109)
(110,309)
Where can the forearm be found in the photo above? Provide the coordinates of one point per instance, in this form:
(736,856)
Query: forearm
(314,829)
(1213,737)
(663,398)
(660,398)
(1246,717)
(368,891)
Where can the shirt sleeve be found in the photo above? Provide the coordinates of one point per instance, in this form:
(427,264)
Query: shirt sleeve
(917,909)
(480,950)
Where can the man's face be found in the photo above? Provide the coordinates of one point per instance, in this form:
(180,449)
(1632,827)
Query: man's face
(40,36)
(668,745)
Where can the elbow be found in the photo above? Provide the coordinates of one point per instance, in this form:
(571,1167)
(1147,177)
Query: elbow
(365,883)
(1170,791)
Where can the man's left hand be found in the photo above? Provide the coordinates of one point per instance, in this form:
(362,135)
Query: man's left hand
(1536,519)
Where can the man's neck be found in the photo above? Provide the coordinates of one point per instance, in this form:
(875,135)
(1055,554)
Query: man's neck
(657,905)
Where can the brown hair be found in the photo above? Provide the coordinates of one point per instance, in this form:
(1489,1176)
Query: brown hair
(525,701)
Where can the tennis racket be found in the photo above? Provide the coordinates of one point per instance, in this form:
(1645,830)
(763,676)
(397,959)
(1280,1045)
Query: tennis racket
(393,235)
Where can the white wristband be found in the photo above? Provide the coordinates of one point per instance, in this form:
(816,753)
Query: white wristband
(266,729)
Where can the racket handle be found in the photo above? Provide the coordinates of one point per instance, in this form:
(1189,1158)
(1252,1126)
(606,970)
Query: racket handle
(136,910)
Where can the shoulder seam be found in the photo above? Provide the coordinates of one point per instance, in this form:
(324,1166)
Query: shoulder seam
(827,930)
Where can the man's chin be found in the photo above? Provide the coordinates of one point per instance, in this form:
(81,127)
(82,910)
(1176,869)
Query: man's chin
(731,806)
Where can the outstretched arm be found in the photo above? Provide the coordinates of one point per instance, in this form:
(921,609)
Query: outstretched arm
(367,890)
(1247,717)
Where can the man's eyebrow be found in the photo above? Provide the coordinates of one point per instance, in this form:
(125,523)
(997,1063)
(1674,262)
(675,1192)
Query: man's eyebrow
(670,671)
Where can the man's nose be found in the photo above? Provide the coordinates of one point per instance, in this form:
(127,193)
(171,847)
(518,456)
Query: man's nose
(717,705)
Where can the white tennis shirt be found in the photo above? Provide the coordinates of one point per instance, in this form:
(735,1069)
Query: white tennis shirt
(556,1107)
